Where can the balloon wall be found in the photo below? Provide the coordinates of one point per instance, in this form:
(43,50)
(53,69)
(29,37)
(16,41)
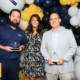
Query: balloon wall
(68,10)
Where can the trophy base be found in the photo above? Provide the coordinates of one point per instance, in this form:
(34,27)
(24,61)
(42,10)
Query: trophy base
(15,49)
(55,63)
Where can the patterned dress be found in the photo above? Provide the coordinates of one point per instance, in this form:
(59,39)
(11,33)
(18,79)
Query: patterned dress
(33,62)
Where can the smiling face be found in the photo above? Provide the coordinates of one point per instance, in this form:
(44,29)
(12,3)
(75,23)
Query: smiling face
(14,19)
(34,22)
(54,20)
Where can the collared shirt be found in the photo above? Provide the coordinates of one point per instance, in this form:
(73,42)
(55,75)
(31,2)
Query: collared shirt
(7,37)
(55,36)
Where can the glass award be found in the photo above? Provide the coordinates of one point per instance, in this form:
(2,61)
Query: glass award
(15,45)
(55,58)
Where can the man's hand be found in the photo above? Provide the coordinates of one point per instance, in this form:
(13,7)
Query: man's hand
(20,49)
(7,48)
(60,61)
(50,61)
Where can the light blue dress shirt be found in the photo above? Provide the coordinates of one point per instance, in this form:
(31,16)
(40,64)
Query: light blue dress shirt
(55,36)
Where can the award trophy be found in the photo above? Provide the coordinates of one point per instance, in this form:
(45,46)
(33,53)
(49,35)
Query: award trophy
(15,45)
(55,59)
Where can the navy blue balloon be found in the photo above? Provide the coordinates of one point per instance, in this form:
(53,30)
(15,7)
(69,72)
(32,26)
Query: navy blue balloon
(66,18)
(55,12)
(54,8)
(41,1)
(62,15)
(3,20)
(37,2)
(63,9)
(6,16)
(61,23)
(47,3)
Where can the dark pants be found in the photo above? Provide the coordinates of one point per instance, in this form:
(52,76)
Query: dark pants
(10,69)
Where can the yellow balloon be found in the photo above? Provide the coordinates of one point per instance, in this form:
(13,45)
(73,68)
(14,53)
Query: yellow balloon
(21,79)
(26,78)
(21,76)
(68,2)
(28,10)
(75,4)
(72,1)
(39,9)
(23,28)
(63,2)
(77,0)
(40,15)
(32,6)
(25,16)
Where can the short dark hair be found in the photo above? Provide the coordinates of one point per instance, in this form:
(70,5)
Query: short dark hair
(15,10)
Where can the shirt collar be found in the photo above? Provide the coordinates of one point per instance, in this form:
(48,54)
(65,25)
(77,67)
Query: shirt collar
(56,31)
(8,25)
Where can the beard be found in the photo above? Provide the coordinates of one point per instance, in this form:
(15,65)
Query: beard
(14,24)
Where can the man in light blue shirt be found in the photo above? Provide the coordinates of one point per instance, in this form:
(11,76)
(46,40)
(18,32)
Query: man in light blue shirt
(58,45)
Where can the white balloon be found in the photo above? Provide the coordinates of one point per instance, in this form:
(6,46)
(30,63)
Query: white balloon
(20,65)
(74,21)
(78,51)
(29,1)
(77,58)
(26,9)
(73,11)
(77,70)
(23,23)
(78,15)
(8,5)
(21,58)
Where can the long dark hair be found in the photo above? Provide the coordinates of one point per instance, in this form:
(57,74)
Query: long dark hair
(40,26)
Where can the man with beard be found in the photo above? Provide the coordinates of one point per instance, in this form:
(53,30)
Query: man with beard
(9,58)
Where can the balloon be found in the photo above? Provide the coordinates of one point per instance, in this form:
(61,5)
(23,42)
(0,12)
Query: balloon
(63,9)
(77,70)
(78,51)
(77,58)
(47,12)
(42,1)
(29,1)
(39,9)
(40,15)
(45,19)
(62,15)
(78,31)
(73,11)
(21,76)
(3,20)
(78,41)
(66,18)
(78,15)
(1,13)
(47,3)
(63,2)
(75,4)
(25,16)
(61,23)
(77,0)
(37,2)
(74,21)
(33,7)
(54,8)
(11,4)
(55,3)
(26,78)
(73,28)
(23,24)
(25,9)
(6,16)
(76,36)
